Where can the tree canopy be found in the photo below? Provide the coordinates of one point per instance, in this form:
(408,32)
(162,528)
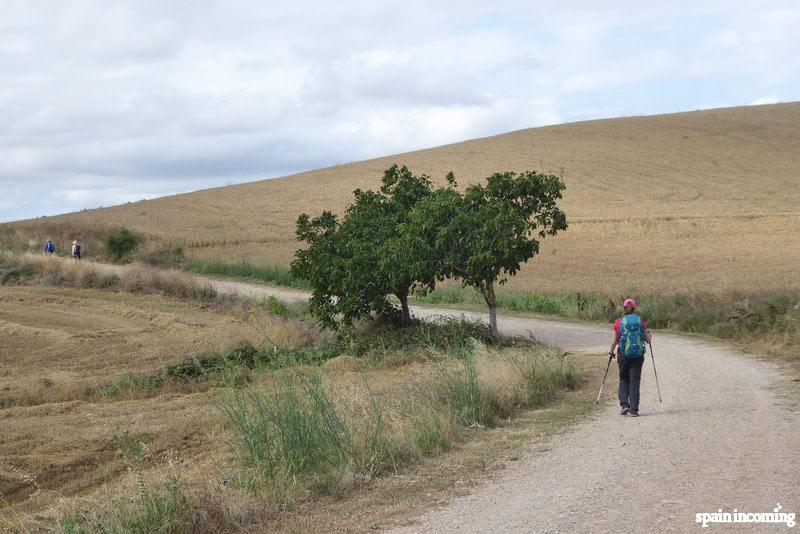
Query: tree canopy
(354,264)
(410,236)
(483,236)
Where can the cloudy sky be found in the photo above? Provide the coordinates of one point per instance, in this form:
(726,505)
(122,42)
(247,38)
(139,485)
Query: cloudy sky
(104,102)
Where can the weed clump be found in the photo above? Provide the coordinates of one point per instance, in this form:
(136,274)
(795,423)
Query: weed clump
(164,508)
(121,244)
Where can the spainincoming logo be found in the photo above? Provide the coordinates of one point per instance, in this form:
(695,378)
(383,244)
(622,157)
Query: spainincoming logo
(775,516)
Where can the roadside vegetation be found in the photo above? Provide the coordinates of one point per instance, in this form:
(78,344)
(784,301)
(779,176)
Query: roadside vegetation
(763,321)
(133,278)
(245,270)
(230,433)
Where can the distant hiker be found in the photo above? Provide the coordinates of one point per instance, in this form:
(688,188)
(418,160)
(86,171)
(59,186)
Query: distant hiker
(76,250)
(630,335)
(49,247)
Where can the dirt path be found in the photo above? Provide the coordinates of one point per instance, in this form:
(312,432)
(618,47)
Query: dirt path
(725,437)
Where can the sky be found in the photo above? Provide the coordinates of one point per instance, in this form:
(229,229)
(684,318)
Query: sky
(105,102)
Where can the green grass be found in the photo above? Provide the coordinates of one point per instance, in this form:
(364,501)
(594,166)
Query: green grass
(738,317)
(462,393)
(244,269)
(291,434)
(741,317)
(730,316)
(449,336)
(223,367)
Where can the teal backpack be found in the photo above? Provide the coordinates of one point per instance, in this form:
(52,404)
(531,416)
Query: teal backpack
(631,336)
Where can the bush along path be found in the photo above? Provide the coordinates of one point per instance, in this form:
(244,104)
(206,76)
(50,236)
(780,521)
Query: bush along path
(727,435)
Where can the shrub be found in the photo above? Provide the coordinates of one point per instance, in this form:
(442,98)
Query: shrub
(276,307)
(243,353)
(448,335)
(195,367)
(121,243)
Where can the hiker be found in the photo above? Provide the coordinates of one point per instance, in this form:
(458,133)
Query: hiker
(76,250)
(630,335)
(49,247)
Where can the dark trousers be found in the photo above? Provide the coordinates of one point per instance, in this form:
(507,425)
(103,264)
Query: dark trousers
(630,376)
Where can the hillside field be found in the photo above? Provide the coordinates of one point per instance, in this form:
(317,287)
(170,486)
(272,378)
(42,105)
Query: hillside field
(704,201)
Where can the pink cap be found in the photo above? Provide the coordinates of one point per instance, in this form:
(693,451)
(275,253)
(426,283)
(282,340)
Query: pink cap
(629,303)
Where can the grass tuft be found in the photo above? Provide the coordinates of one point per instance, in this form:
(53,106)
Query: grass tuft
(292,434)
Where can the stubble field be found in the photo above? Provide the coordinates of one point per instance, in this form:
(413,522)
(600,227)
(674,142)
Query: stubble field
(58,345)
(91,440)
(699,201)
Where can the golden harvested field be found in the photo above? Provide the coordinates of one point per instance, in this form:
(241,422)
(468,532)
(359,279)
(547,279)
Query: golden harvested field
(57,343)
(59,446)
(697,201)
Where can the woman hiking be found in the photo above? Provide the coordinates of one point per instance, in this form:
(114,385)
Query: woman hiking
(630,336)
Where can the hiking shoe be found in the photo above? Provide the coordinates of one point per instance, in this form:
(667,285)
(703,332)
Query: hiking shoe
(634,414)
(624,410)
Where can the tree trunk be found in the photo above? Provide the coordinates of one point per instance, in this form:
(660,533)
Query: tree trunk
(491,300)
(402,296)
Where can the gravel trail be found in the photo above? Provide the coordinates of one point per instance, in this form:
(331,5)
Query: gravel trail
(727,435)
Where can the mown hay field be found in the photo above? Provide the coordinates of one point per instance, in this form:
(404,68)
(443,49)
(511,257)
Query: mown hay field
(58,344)
(698,201)
(69,431)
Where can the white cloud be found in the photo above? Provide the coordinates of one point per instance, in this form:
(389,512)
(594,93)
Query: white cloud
(106,102)
(765,100)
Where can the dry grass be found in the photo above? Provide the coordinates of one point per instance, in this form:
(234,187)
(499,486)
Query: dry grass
(57,343)
(58,452)
(132,278)
(701,200)
(396,500)
(59,457)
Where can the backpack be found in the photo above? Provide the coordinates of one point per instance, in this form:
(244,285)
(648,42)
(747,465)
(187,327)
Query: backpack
(631,336)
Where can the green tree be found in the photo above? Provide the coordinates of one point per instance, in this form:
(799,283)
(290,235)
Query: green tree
(353,265)
(484,235)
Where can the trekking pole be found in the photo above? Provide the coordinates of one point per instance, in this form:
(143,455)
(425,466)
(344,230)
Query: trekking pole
(604,379)
(652,356)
